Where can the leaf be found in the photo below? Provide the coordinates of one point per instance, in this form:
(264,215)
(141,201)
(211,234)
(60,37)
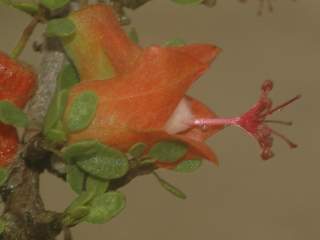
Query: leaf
(83,199)
(188,166)
(67,77)
(61,27)
(177,42)
(97,159)
(75,178)
(170,188)
(82,111)
(27,7)
(75,216)
(3,224)
(56,135)
(186,2)
(55,113)
(133,35)
(168,151)
(54,4)
(81,149)
(137,150)
(98,186)
(106,163)
(106,206)
(4,173)
(10,114)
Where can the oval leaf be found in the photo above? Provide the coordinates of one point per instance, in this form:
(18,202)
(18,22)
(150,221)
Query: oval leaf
(62,27)
(82,111)
(106,206)
(106,163)
(4,173)
(168,151)
(3,224)
(54,4)
(56,110)
(188,166)
(170,188)
(82,149)
(10,114)
(67,77)
(137,150)
(83,199)
(27,7)
(98,186)
(75,216)
(75,178)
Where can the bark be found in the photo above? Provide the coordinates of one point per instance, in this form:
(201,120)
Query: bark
(24,211)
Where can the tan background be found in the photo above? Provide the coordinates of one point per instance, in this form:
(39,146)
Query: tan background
(246,198)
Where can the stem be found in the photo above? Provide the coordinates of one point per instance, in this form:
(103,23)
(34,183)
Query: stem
(27,32)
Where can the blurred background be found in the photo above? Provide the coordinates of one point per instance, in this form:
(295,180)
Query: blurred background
(245,198)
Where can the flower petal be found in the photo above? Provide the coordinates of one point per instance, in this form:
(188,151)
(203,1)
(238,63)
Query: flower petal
(142,99)
(199,110)
(204,53)
(8,144)
(100,49)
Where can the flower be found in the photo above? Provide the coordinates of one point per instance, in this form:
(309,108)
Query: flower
(17,84)
(142,91)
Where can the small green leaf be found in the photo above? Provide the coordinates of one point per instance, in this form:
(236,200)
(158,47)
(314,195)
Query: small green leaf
(188,166)
(10,114)
(82,111)
(3,224)
(56,135)
(106,206)
(75,178)
(27,7)
(137,150)
(97,159)
(75,216)
(83,199)
(82,149)
(170,188)
(133,35)
(96,185)
(54,4)
(61,27)
(67,77)
(55,113)
(177,42)
(168,151)
(4,173)
(186,2)
(107,163)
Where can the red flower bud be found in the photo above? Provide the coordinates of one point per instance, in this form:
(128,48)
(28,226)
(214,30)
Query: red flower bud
(17,84)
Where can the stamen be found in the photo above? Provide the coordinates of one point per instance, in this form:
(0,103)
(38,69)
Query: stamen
(281,106)
(289,142)
(254,121)
(288,123)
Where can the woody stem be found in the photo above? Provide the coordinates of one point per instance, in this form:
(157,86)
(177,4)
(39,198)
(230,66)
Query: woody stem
(27,32)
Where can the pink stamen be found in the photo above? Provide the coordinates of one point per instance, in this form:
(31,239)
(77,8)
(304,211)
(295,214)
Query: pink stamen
(254,121)
(283,105)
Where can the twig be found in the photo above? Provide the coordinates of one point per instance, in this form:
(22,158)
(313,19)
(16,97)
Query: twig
(24,37)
